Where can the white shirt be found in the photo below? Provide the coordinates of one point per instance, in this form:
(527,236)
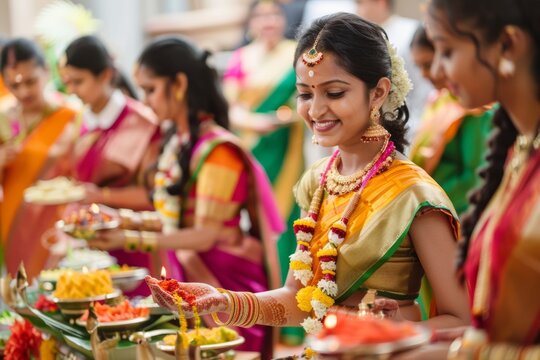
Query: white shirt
(106,117)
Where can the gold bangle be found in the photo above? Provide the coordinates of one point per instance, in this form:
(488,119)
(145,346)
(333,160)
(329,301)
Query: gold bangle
(132,240)
(232,311)
(126,218)
(148,241)
(150,221)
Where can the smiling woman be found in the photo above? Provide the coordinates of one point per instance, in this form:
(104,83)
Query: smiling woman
(371,215)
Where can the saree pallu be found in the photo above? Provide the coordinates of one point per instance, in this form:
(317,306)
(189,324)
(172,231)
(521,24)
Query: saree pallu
(506,303)
(23,224)
(225,180)
(125,143)
(451,145)
(377,252)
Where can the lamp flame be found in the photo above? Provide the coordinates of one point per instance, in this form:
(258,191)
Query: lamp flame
(163,273)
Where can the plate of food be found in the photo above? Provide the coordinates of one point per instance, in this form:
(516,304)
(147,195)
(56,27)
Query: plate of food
(212,341)
(127,278)
(76,290)
(57,191)
(82,223)
(367,335)
(121,317)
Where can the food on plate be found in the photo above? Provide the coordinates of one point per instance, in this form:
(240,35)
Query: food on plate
(120,312)
(351,329)
(83,222)
(205,336)
(60,190)
(82,285)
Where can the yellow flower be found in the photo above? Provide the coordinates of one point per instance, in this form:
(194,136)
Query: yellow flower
(298,265)
(321,297)
(303,298)
(47,349)
(329,272)
(309,353)
(327,252)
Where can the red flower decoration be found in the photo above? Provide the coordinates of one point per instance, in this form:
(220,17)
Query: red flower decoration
(23,342)
(45,305)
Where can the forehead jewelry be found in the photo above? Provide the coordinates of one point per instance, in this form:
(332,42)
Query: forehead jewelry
(313,57)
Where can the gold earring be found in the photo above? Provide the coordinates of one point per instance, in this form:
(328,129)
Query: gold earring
(375,131)
(314,140)
(179,96)
(506,68)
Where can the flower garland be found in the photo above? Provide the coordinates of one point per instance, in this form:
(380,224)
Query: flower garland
(319,298)
(168,173)
(401,83)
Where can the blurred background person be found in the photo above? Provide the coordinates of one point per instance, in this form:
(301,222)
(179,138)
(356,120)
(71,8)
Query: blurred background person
(106,154)
(260,83)
(203,183)
(400,31)
(119,138)
(40,131)
(451,141)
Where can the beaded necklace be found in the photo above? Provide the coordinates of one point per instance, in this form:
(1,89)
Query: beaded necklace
(317,299)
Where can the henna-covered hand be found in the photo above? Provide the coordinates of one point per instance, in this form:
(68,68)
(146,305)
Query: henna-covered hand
(207,298)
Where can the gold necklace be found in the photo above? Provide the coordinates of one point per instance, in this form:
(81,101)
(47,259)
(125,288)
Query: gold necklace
(337,184)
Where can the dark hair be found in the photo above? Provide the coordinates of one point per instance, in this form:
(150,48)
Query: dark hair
(461,17)
(360,48)
(20,50)
(167,57)
(89,53)
(420,39)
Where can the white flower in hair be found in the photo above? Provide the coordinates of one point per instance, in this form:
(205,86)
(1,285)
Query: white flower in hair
(401,83)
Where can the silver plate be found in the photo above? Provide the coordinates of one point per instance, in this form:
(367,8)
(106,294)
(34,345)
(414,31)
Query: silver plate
(330,345)
(75,307)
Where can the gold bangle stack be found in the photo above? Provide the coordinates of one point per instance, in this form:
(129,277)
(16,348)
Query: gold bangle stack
(148,241)
(244,312)
(132,240)
(150,221)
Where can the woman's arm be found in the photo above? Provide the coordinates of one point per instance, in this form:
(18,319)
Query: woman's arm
(435,245)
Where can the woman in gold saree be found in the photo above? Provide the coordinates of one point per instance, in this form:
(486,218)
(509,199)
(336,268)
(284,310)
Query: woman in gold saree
(370,213)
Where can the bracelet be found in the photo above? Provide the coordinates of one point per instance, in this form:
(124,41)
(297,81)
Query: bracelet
(148,241)
(150,221)
(132,240)
(232,312)
(126,218)
(245,309)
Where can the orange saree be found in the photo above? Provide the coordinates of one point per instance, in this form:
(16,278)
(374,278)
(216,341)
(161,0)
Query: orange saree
(36,159)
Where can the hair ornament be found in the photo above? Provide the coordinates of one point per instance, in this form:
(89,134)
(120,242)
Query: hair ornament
(313,57)
(401,83)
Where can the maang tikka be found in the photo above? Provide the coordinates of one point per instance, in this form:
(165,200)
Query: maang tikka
(313,57)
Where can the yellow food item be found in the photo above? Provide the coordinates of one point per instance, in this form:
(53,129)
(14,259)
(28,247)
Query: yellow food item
(80,285)
(206,336)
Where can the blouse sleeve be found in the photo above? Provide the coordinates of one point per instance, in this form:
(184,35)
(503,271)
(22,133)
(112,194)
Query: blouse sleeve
(222,186)
(306,186)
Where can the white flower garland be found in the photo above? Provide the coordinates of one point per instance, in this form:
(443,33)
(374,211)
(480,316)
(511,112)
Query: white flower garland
(401,83)
(168,173)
